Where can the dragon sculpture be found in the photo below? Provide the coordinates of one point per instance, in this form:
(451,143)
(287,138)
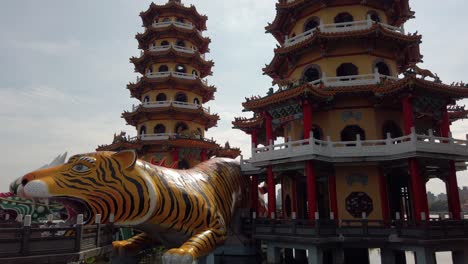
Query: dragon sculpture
(189,212)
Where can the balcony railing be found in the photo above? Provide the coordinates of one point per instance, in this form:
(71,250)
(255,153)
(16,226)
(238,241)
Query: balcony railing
(186,76)
(176,47)
(162,104)
(175,23)
(167,136)
(350,80)
(375,149)
(340,27)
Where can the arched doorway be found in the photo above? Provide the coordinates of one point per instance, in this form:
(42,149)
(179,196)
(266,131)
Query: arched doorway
(159,129)
(163,68)
(311,24)
(382,68)
(350,133)
(347,69)
(343,18)
(181,97)
(311,74)
(161,97)
(143,131)
(180,127)
(391,128)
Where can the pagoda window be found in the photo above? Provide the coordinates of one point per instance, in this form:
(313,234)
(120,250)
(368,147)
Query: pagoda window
(163,68)
(312,23)
(382,68)
(344,18)
(166,19)
(159,129)
(347,69)
(180,43)
(180,20)
(181,127)
(196,101)
(146,99)
(181,97)
(312,73)
(372,15)
(390,127)
(165,43)
(181,68)
(350,133)
(317,132)
(142,131)
(161,97)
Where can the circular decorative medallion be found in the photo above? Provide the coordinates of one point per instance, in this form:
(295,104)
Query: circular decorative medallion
(358,203)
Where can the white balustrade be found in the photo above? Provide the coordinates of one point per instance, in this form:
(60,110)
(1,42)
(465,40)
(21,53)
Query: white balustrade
(162,136)
(175,23)
(180,75)
(340,27)
(162,104)
(352,80)
(176,47)
(362,148)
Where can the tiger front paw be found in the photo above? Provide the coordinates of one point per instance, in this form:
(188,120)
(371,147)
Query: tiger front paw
(178,256)
(125,248)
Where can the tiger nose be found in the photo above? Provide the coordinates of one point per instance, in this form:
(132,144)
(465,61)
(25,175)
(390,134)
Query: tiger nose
(27,178)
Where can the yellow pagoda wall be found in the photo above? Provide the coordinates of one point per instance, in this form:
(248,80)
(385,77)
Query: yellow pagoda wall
(170,94)
(173,41)
(384,115)
(170,126)
(172,67)
(327,16)
(344,189)
(365,63)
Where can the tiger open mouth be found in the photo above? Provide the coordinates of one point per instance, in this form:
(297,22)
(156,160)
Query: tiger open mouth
(74,207)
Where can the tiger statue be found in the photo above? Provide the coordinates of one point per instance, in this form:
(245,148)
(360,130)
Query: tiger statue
(187,211)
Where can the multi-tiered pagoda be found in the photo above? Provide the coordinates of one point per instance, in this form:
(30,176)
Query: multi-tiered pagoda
(352,134)
(171,120)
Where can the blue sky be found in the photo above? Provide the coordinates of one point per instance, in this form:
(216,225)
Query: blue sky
(64,68)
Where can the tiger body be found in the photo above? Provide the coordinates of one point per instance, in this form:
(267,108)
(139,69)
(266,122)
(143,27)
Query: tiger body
(188,211)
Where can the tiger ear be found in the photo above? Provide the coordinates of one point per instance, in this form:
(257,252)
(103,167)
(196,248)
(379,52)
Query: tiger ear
(127,158)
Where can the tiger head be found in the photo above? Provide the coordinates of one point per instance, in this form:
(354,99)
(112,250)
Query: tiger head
(105,183)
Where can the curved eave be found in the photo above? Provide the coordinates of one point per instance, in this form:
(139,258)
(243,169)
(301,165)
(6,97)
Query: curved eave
(172,31)
(458,115)
(196,86)
(172,8)
(120,146)
(175,142)
(173,55)
(195,115)
(398,13)
(228,153)
(248,124)
(376,31)
(409,84)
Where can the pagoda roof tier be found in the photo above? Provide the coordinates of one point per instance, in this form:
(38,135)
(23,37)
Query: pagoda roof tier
(457,112)
(389,87)
(231,153)
(171,112)
(318,38)
(175,54)
(398,12)
(171,30)
(172,81)
(248,124)
(172,8)
(163,142)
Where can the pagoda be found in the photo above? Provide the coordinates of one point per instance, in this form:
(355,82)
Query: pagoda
(352,133)
(171,120)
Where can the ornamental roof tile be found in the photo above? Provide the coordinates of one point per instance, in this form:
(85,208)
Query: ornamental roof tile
(321,93)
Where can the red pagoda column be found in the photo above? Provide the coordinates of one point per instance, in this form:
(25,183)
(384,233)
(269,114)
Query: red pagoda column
(311,179)
(453,196)
(307,118)
(451,183)
(332,192)
(418,189)
(384,197)
(255,194)
(271,192)
(418,185)
(203,155)
(175,155)
(270,175)
(254,135)
(408,115)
